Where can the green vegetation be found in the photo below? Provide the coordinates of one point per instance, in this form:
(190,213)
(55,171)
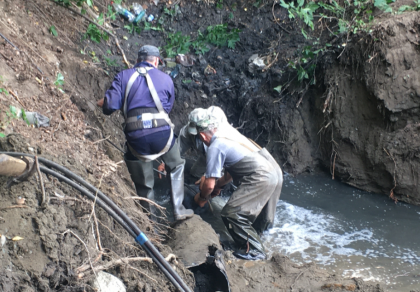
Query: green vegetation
(53,30)
(95,34)
(404,8)
(176,43)
(302,11)
(59,80)
(217,35)
(110,63)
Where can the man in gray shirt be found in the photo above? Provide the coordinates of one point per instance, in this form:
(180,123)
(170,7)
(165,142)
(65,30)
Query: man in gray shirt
(259,181)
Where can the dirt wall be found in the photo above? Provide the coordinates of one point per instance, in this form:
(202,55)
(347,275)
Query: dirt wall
(369,134)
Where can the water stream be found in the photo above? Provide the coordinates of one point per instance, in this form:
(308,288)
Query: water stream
(344,230)
(347,231)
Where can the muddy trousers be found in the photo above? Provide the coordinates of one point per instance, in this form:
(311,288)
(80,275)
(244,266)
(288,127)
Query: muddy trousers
(143,177)
(265,220)
(258,181)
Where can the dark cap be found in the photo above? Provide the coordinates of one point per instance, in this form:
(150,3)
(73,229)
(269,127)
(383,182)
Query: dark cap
(148,51)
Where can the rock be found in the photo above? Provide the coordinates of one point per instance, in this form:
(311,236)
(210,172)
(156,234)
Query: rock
(60,50)
(106,282)
(11,166)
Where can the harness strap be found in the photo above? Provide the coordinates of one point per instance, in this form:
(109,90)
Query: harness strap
(242,144)
(143,71)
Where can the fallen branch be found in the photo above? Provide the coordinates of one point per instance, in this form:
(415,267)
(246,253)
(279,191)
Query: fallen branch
(122,53)
(15,96)
(41,182)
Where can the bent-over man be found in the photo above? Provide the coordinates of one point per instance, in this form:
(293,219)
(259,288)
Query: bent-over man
(251,208)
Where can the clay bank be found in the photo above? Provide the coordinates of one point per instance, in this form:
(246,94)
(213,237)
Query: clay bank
(333,95)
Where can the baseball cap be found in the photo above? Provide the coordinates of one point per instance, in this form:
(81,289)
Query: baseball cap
(148,50)
(194,117)
(217,114)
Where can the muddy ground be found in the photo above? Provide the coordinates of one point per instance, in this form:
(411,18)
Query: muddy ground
(363,106)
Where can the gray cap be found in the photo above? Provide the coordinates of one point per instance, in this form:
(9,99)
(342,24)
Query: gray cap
(148,51)
(218,114)
(194,117)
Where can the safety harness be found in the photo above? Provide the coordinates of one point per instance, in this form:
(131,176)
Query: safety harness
(146,118)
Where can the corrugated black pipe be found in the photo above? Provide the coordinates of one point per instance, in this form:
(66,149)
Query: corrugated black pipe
(138,235)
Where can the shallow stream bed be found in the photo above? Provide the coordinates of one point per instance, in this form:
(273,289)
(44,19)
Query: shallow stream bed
(344,230)
(350,232)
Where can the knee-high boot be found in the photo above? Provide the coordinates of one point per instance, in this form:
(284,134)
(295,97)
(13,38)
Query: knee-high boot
(142,176)
(177,192)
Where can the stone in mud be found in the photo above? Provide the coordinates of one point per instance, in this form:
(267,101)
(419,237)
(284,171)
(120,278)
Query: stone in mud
(106,282)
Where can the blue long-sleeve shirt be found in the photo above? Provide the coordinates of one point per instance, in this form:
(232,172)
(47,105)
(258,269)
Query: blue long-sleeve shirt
(139,96)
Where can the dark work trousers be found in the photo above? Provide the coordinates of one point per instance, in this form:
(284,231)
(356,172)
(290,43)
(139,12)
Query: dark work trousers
(258,180)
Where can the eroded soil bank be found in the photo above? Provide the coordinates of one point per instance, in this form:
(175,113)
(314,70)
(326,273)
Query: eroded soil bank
(50,257)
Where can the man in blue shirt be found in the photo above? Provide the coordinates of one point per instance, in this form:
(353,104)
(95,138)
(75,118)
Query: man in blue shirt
(146,96)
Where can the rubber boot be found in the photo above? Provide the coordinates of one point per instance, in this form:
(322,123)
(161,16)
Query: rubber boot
(142,176)
(177,188)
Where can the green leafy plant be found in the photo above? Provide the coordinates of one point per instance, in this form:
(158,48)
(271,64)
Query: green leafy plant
(24,117)
(219,5)
(94,57)
(171,12)
(110,63)
(3,90)
(95,34)
(404,8)
(220,36)
(59,80)
(53,30)
(177,44)
(132,28)
(301,11)
(111,14)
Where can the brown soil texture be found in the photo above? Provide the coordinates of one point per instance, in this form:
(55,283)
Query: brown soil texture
(50,256)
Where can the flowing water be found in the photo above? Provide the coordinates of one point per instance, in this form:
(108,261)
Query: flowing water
(344,230)
(348,231)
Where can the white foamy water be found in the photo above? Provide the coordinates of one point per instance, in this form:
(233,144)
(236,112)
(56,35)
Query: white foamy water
(347,231)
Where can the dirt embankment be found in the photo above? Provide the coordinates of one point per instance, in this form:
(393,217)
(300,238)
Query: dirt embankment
(369,136)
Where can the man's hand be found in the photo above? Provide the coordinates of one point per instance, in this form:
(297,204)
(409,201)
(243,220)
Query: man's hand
(216,192)
(100,102)
(161,168)
(199,201)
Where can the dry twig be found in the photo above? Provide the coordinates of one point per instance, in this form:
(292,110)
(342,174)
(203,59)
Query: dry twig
(15,96)
(110,264)
(146,200)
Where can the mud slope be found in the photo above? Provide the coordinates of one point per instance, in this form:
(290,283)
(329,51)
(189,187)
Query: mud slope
(370,131)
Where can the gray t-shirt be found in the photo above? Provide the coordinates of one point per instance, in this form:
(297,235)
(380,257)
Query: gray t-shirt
(223,152)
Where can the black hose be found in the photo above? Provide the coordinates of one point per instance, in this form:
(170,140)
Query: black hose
(90,196)
(113,215)
(120,216)
(80,180)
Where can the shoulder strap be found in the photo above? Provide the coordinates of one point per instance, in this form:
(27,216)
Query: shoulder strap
(242,144)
